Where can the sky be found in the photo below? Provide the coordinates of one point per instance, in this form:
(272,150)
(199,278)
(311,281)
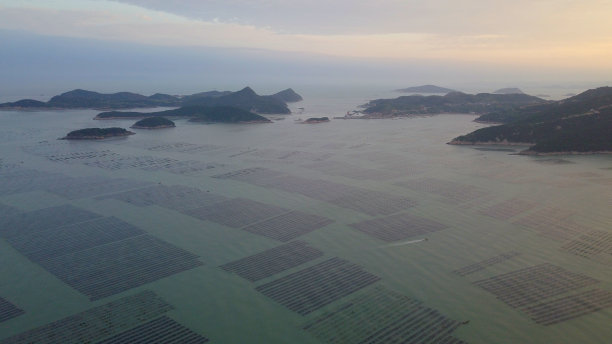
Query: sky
(198,43)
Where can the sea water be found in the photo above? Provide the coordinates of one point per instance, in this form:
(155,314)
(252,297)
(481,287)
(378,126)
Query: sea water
(489,200)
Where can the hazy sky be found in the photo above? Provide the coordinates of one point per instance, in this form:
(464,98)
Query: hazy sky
(547,39)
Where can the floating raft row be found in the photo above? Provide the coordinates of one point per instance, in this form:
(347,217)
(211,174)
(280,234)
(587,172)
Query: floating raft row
(569,307)
(9,310)
(97,256)
(472,268)
(26,180)
(274,154)
(181,147)
(398,227)
(382,316)
(452,191)
(317,286)
(110,269)
(288,226)
(175,197)
(44,219)
(273,261)
(74,188)
(336,168)
(508,209)
(96,323)
(237,212)
(533,284)
(552,223)
(162,330)
(590,245)
(362,200)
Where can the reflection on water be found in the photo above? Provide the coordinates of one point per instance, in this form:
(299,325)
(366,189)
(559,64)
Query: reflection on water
(348,231)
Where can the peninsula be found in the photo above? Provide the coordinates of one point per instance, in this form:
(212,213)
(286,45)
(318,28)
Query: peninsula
(245,99)
(96,133)
(454,102)
(153,123)
(578,125)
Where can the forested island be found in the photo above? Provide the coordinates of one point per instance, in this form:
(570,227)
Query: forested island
(314,120)
(196,113)
(580,124)
(245,99)
(454,102)
(96,133)
(153,123)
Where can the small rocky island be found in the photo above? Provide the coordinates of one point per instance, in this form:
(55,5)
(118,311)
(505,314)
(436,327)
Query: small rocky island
(96,133)
(426,89)
(153,123)
(314,120)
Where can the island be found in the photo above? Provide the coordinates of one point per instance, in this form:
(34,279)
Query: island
(426,89)
(153,123)
(314,120)
(454,102)
(96,133)
(578,125)
(197,113)
(245,99)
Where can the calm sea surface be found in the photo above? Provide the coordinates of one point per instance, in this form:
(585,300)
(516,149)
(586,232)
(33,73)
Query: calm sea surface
(518,249)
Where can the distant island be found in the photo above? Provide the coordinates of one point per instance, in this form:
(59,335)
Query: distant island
(454,102)
(245,99)
(96,133)
(578,125)
(509,90)
(153,123)
(426,89)
(196,113)
(314,120)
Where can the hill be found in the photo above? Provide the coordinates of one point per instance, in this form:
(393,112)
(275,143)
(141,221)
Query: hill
(580,124)
(509,90)
(425,89)
(198,113)
(454,102)
(245,99)
(288,96)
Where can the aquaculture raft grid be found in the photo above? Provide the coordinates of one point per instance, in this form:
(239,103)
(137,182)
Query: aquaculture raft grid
(451,191)
(8,310)
(508,209)
(590,245)
(162,330)
(533,284)
(472,268)
(109,269)
(382,316)
(288,226)
(273,261)
(96,323)
(237,212)
(317,286)
(398,227)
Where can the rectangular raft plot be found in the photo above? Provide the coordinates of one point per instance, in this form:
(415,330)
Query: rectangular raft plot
(162,330)
(472,268)
(335,168)
(8,310)
(59,241)
(398,227)
(82,156)
(552,223)
(96,323)
(309,289)
(590,245)
(94,186)
(534,284)
(373,203)
(175,197)
(43,219)
(569,307)
(382,316)
(18,181)
(508,209)
(110,269)
(451,191)
(237,212)
(288,226)
(182,147)
(273,261)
